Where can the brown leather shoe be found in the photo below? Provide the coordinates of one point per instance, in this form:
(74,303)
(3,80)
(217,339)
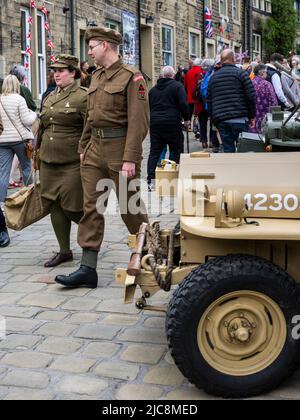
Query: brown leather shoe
(58,259)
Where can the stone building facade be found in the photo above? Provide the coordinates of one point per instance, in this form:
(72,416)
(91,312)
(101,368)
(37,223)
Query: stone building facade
(261,11)
(155,33)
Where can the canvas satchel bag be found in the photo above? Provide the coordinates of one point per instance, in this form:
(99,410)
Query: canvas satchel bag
(25,207)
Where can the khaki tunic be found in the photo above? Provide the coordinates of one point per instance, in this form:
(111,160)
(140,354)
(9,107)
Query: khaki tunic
(62,122)
(117,98)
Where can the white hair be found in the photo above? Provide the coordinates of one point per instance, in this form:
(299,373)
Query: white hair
(18,71)
(297,59)
(197,62)
(207,63)
(168,72)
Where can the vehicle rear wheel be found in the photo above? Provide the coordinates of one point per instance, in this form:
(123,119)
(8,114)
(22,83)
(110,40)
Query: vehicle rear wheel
(230,324)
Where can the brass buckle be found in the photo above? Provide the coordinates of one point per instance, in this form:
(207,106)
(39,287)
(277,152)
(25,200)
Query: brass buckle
(100,133)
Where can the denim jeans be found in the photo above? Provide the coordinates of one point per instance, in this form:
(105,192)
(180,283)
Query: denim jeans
(162,136)
(164,153)
(230,133)
(7,154)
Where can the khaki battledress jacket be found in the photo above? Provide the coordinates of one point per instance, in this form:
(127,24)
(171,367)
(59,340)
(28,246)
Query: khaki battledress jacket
(62,123)
(118,98)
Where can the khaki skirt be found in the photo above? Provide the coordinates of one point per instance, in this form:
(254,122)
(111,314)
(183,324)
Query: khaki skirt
(62,184)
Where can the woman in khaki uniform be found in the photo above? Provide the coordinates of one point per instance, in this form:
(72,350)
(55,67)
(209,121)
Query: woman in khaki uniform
(62,122)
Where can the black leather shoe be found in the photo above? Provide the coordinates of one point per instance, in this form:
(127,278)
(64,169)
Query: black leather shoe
(83,277)
(4,239)
(58,259)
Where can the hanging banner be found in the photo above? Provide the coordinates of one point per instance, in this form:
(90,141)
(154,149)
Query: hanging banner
(209,31)
(129,39)
(50,43)
(36,4)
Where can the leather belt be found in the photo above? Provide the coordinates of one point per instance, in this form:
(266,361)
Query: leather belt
(109,133)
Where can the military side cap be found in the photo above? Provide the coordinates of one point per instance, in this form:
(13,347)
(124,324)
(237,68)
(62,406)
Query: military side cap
(63,61)
(104,34)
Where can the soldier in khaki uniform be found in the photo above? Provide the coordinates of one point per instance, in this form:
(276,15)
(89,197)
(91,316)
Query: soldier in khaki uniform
(61,127)
(117,123)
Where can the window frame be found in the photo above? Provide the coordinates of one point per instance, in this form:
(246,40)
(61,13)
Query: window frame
(112,24)
(226,8)
(170,52)
(236,19)
(23,52)
(256,52)
(211,43)
(41,56)
(197,34)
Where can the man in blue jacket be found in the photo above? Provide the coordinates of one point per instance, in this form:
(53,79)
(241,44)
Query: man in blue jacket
(231,101)
(168,107)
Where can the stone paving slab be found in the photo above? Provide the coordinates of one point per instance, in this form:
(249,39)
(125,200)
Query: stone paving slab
(28,395)
(85,344)
(19,342)
(58,329)
(42,300)
(19,378)
(101,350)
(97,331)
(85,385)
(60,346)
(143,354)
(72,364)
(117,370)
(133,392)
(27,359)
(18,311)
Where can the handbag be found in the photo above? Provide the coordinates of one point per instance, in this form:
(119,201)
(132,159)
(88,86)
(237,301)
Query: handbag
(24,208)
(36,162)
(29,149)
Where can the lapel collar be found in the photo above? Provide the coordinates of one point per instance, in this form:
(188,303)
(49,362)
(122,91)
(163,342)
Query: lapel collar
(64,94)
(114,69)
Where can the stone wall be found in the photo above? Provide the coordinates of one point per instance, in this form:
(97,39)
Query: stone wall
(182,15)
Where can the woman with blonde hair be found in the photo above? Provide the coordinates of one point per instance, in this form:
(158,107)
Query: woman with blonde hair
(16,120)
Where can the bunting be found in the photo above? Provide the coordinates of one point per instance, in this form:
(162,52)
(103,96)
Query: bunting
(39,4)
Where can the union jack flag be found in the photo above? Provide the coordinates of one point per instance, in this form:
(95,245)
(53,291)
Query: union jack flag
(209,31)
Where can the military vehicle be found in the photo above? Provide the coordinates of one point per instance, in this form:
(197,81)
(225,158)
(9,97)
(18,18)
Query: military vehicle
(281,133)
(233,322)
(282,130)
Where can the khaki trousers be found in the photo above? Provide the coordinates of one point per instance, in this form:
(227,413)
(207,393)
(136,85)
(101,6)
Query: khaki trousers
(102,161)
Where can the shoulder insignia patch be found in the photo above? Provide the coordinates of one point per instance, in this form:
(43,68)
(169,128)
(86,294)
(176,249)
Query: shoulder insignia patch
(142,92)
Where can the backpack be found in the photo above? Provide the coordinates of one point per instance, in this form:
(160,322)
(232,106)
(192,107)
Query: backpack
(205,83)
(199,88)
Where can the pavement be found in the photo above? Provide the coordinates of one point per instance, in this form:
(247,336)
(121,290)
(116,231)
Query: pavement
(85,344)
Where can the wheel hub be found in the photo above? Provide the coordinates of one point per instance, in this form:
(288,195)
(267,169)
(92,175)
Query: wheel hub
(239,330)
(242,333)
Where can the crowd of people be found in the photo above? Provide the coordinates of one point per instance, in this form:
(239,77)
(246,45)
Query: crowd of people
(219,99)
(93,121)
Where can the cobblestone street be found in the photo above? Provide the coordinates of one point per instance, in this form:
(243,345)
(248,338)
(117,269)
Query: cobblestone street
(84,344)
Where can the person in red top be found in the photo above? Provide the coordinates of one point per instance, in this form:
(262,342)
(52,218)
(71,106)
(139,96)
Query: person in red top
(190,83)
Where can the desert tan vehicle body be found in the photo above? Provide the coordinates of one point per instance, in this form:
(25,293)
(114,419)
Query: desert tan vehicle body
(232,322)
